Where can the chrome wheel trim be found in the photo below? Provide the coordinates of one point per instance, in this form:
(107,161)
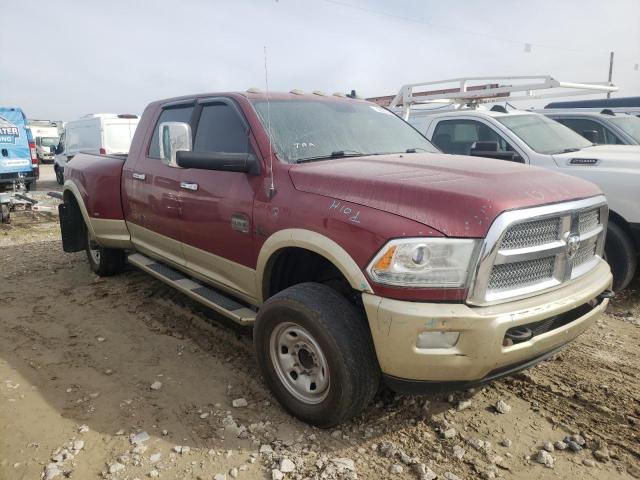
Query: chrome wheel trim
(299,363)
(94,250)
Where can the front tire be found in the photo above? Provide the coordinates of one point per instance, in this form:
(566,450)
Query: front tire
(59,176)
(621,256)
(103,261)
(316,354)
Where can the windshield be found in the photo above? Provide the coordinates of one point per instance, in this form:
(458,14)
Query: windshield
(630,125)
(544,135)
(49,141)
(320,129)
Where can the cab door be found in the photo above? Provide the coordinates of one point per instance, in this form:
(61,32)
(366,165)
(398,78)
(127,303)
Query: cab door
(153,191)
(217,206)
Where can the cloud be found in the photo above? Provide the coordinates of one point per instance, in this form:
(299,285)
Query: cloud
(68,58)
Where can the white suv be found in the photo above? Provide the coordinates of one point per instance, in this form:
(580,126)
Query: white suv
(534,139)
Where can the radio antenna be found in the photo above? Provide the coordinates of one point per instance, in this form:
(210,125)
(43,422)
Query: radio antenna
(272,187)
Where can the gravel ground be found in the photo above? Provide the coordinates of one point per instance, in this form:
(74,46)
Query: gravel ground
(125,378)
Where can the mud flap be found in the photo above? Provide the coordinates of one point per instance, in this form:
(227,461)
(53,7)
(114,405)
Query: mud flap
(72,228)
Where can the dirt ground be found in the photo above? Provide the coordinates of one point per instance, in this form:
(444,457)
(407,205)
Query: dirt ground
(79,354)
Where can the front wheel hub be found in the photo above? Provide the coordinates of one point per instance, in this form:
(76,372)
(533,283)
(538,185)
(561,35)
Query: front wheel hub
(299,363)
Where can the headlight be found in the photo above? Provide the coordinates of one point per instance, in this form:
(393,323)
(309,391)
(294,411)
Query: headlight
(424,262)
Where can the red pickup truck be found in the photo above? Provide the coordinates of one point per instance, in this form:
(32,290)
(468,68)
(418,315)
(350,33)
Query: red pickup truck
(358,251)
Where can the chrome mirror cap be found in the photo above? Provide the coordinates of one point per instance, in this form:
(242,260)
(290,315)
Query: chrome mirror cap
(173,137)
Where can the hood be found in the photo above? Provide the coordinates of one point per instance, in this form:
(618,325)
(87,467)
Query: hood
(608,156)
(456,195)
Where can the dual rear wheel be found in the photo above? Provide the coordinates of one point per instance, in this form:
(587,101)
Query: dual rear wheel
(103,261)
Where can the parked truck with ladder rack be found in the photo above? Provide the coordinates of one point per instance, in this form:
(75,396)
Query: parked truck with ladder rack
(457,122)
(356,250)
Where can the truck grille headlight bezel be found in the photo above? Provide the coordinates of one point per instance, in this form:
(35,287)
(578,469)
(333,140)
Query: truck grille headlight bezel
(436,262)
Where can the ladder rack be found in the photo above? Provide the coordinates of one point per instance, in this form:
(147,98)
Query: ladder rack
(490,89)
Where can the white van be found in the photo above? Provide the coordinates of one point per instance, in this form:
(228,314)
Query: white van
(100,133)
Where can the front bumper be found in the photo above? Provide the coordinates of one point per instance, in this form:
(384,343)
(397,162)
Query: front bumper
(479,355)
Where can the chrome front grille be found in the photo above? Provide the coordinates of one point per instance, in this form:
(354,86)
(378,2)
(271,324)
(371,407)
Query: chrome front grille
(533,233)
(536,249)
(519,274)
(588,220)
(585,253)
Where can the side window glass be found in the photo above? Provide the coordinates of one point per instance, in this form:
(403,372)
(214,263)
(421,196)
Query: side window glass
(177,114)
(61,143)
(220,129)
(592,131)
(611,138)
(458,136)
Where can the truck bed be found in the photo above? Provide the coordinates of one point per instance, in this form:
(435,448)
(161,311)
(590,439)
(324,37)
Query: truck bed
(93,173)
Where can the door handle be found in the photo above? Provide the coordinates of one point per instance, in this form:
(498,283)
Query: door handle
(189,186)
(139,176)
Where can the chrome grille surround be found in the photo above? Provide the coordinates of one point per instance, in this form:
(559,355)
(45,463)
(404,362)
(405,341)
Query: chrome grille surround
(533,250)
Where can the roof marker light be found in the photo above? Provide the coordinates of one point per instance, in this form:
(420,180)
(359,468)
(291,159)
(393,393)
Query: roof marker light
(296,91)
(319,92)
(254,90)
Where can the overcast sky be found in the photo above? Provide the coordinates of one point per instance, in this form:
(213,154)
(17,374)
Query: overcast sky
(67,58)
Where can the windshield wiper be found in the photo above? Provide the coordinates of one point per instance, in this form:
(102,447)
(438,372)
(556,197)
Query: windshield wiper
(415,150)
(569,150)
(336,154)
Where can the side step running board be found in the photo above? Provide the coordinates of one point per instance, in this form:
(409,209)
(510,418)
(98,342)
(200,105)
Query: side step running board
(199,292)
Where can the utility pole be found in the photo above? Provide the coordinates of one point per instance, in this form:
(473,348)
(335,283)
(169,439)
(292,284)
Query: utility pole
(610,72)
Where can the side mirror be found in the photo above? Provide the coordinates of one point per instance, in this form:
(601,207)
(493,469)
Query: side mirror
(222,161)
(490,150)
(591,135)
(174,137)
(485,146)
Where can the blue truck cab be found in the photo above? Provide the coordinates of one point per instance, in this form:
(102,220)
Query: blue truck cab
(17,149)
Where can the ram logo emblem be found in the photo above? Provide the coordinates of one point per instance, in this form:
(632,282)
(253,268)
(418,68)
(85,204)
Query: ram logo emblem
(573,244)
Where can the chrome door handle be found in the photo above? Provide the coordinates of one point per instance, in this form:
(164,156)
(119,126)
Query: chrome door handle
(139,176)
(189,186)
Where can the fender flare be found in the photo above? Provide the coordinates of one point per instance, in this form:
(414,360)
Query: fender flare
(72,188)
(106,232)
(314,242)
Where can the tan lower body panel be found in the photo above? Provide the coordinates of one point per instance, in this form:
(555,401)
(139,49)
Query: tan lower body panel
(111,233)
(238,280)
(395,326)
